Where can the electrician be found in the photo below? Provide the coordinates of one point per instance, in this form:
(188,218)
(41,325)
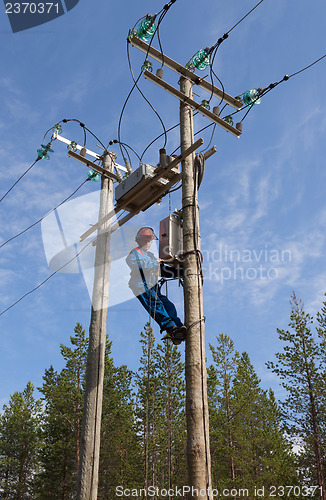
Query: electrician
(144,284)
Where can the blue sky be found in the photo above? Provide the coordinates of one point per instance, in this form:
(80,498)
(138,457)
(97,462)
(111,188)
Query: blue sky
(262,198)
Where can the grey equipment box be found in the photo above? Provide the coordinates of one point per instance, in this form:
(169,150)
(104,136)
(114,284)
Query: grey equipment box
(143,172)
(170,238)
(141,188)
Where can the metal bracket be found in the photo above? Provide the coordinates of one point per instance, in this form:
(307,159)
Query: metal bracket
(170,63)
(93,165)
(183,98)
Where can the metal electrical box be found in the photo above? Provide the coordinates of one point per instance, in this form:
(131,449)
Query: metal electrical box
(143,172)
(170,237)
(145,186)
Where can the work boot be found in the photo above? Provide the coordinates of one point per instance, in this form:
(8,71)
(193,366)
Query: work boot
(170,332)
(180,333)
(176,334)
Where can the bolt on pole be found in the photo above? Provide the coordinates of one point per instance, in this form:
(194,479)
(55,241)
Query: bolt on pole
(91,427)
(198,449)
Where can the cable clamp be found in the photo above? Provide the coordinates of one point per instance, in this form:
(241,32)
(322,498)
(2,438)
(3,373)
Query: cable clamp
(196,322)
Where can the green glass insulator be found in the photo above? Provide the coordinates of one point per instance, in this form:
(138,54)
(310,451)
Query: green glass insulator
(72,146)
(41,153)
(47,148)
(146,29)
(147,66)
(251,97)
(93,176)
(205,104)
(201,60)
(228,119)
(132,34)
(57,129)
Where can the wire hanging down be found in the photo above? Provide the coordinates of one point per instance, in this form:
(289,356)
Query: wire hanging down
(151,32)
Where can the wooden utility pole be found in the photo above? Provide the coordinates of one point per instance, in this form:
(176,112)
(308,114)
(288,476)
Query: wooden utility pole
(91,427)
(198,450)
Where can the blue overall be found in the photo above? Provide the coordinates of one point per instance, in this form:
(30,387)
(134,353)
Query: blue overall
(143,282)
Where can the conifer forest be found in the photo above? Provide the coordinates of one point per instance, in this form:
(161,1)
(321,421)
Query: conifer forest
(260,447)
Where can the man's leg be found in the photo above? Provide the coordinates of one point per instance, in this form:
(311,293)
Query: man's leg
(170,309)
(151,301)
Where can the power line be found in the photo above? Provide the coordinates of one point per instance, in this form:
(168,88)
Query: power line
(142,94)
(26,171)
(271,86)
(244,17)
(47,279)
(304,69)
(162,14)
(82,125)
(38,221)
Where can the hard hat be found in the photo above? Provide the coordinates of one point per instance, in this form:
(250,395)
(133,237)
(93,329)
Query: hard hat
(147,232)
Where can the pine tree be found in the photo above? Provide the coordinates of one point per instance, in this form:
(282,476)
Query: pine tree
(63,406)
(160,401)
(219,390)
(170,415)
(120,454)
(301,368)
(19,444)
(263,455)
(247,444)
(147,383)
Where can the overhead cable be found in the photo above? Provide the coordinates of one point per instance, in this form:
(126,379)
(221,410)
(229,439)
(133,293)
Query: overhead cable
(40,220)
(162,14)
(47,279)
(26,171)
(263,91)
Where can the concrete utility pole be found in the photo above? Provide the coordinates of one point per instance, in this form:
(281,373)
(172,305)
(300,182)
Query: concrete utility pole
(91,427)
(198,450)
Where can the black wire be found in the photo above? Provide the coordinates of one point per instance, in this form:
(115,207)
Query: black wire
(131,149)
(66,120)
(142,94)
(123,108)
(47,279)
(162,14)
(244,17)
(211,73)
(304,69)
(95,137)
(127,152)
(210,142)
(272,86)
(156,138)
(26,171)
(175,189)
(37,222)
(159,38)
(85,128)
